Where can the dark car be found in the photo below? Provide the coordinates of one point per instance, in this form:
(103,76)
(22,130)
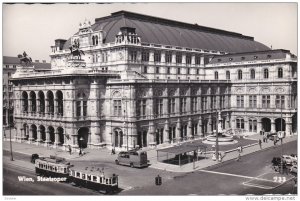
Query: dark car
(276,163)
(34,157)
(272,136)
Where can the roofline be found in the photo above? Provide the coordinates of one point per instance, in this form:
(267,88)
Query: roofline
(123,13)
(253,52)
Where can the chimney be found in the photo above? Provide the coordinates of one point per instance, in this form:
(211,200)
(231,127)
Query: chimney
(36,61)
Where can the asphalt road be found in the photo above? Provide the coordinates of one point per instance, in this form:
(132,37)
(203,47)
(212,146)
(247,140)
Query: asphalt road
(226,178)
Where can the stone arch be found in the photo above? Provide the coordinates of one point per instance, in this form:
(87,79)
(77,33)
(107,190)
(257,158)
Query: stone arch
(33,101)
(42,133)
(83,137)
(51,132)
(50,98)
(25,131)
(59,100)
(34,132)
(61,136)
(279,124)
(24,101)
(266,124)
(41,98)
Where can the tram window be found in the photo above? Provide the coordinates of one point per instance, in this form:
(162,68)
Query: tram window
(107,181)
(89,177)
(83,176)
(134,153)
(101,180)
(94,178)
(77,174)
(55,169)
(114,180)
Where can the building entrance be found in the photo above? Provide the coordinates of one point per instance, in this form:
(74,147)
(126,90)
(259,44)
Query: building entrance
(266,124)
(84,134)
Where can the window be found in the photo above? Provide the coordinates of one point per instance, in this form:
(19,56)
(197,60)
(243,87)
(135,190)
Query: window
(227,75)
(157,70)
(222,102)
(178,70)
(141,108)
(158,107)
(216,75)
(145,56)
(117,108)
(197,72)
(132,56)
(157,56)
(14,66)
(252,74)
(213,102)
(266,73)
(240,101)
(145,69)
(6,66)
(168,70)
(280,73)
(178,58)
(168,57)
(171,106)
(198,60)
(252,125)
(194,104)
(279,101)
(240,74)
(252,101)
(188,70)
(182,106)
(84,108)
(240,123)
(266,101)
(188,59)
(78,108)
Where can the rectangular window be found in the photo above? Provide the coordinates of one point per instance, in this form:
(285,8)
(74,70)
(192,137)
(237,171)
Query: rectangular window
(157,56)
(204,104)
(133,56)
(144,106)
(178,71)
(171,106)
(194,105)
(240,101)
(188,59)
(157,70)
(252,101)
(145,56)
(279,101)
(158,107)
(266,101)
(188,70)
(182,106)
(78,108)
(117,108)
(168,70)
(6,66)
(84,108)
(145,69)
(178,58)
(168,57)
(198,60)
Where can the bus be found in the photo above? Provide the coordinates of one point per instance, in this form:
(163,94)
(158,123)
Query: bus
(132,158)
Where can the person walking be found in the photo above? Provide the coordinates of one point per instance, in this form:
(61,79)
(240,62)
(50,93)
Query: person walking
(70,150)
(259,142)
(239,157)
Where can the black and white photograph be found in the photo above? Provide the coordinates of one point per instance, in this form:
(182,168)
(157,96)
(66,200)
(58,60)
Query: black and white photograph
(117,99)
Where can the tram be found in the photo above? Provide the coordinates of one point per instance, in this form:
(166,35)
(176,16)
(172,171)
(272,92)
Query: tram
(52,167)
(93,178)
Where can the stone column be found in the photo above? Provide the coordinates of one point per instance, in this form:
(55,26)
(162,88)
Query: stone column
(200,132)
(178,129)
(201,60)
(288,126)
(38,106)
(39,136)
(166,132)
(193,59)
(56,107)
(151,133)
(47,142)
(189,129)
(209,125)
(273,125)
(173,58)
(259,125)
(163,57)
(47,109)
(30,139)
(29,106)
(57,140)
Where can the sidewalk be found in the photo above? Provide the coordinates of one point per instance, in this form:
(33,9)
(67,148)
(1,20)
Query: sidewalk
(105,154)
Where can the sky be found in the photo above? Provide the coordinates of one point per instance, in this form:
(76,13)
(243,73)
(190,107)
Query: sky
(33,28)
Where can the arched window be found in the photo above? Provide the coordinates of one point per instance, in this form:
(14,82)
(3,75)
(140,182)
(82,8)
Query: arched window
(216,75)
(93,39)
(50,98)
(33,101)
(25,101)
(280,73)
(266,73)
(96,40)
(227,75)
(59,101)
(252,74)
(240,74)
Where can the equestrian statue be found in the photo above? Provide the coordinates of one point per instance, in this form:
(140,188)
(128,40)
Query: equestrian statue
(75,51)
(24,58)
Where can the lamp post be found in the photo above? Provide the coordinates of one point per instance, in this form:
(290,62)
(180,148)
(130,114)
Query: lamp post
(80,145)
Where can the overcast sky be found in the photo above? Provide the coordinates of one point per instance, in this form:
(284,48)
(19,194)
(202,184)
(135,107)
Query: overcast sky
(34,28)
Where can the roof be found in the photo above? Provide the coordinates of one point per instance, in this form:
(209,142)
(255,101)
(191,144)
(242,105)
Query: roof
(54,160)
(173,33)
(96,171)
(16,61)
(183,148)
(250,56)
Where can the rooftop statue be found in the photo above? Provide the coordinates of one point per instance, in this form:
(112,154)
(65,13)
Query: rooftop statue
(24,58)
(75,51)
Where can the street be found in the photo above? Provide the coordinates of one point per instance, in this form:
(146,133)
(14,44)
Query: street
(230,177)
(230,183)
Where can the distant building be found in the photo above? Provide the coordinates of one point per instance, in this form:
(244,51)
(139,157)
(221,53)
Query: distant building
(9,68)
(145,81)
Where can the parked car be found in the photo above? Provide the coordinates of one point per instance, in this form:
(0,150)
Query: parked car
(289,159)
(34,157)
(132,158)
(294,169)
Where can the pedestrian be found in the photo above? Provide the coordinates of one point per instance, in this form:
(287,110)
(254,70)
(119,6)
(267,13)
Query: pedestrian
(274,142)
(70,150)
(239,157)
(113,151)
(259,142)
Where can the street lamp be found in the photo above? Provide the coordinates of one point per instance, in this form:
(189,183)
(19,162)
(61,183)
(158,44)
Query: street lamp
(80,145)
